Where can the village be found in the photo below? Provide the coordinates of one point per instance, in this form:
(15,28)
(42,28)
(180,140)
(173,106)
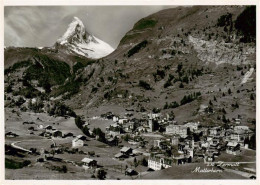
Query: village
(130,148)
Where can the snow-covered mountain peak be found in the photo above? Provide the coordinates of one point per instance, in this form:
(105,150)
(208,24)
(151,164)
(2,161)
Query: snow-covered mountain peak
(76,32)
(77,40)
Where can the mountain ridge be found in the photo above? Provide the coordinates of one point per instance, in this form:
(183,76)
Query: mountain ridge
(158,67)
(77,40)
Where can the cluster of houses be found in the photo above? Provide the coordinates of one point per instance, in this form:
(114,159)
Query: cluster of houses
(210,142)
(178,145)
(125,152)
(181,143)
(50,131)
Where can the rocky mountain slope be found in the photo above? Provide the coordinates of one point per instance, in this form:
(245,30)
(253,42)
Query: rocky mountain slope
(194,62)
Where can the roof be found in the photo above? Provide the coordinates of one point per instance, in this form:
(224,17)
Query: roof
(87,160)
(81,137)
(192,124)
(110,139)
(129,170)
(114,125)
(125,149)
(77,139)
(119,155)
(56,131)
(232,143)
(48,126)
(241,127)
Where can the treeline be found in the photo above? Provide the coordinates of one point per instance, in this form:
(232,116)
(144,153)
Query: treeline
(183,76)
(60,109)
(186,99)
(84,128)
(245,24)
(137,48)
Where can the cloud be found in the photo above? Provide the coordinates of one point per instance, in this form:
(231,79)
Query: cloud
(34,26)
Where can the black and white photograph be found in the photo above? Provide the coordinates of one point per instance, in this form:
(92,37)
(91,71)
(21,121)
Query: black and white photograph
(130,92)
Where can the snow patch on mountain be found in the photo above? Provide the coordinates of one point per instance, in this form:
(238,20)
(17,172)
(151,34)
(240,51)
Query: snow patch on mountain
(247,76)
(77,40)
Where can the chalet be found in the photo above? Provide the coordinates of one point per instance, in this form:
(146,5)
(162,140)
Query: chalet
(130,172)
(31,128)
(210,154)
(48,128)
(69,134)
(161,144)
(57,133)
(100,173)
(45,134)
(233,148)
(89,163)
(129,126)
(120,156)
(11,134)
(159,161)
(179,160)
(126,150)
(28,123)
(78,141)
(115,130)
(122,121)
(113,141)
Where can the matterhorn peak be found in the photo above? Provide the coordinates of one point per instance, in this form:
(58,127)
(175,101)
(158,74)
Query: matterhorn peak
(77,40)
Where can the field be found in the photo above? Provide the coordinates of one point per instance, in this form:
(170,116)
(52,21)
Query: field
(104,154)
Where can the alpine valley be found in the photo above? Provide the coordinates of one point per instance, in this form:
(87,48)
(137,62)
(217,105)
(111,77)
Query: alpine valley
(185,64)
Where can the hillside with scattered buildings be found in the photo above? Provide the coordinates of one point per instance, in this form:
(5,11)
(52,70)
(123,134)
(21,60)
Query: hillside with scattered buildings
(178,95)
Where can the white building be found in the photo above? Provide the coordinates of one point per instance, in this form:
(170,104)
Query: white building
(193,126)
(177,130)
(241,128)
(154,116)
(89,163)
(122,120)
(233,148)
(159,162)
(115,118)
(78,141)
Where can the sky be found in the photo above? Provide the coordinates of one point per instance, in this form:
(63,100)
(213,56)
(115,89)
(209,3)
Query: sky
(39,26)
